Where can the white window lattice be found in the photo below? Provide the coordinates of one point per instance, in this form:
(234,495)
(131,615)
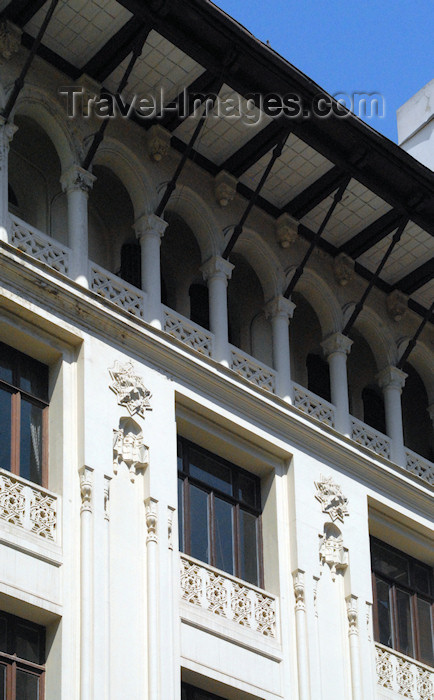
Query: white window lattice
(39,246)
(117,291)
(403,676)
(314,406)
(28,507)
(223,595)
(253,371)
(188,332)
(420,466)
(368,437)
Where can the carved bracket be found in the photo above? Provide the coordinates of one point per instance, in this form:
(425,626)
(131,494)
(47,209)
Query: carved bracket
(332,551)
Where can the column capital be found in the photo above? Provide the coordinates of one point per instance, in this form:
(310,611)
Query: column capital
(86,488)
(391,377)
(281,307)
(77,178)
(337,342)
(150,225)
(151,515)
(217,267)
(7,131)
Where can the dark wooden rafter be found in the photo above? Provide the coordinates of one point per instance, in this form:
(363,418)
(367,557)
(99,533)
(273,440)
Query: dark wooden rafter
(21,11)
(315,240)
(255,149)
(372,234)
(313,195)
(417,278)
(412,343)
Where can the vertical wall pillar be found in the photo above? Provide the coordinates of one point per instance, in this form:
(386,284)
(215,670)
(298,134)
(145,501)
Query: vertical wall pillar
(150,230)
(353,636)
(336,348)
(7,131)
(392,381)
(77,183)
(86,624)
(217,271)
(301,634)
(107,480)
(152,597)
(280,310)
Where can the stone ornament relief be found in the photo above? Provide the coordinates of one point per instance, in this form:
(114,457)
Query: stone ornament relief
(332,551)
(130,389)
(332,500)
(129,448)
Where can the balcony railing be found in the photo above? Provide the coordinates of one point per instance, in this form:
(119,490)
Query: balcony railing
(420,466)
(313,405)
(230,598)
(38,245)
(252,370)
(368,437)
(113,288)
(399,676)
(187,332)
(28,506)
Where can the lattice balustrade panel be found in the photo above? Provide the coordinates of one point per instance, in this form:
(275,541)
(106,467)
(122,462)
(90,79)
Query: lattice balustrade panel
(403,677)
(28,507)
(365,435)
(188,332)
(222,595)
(253,371)
(39,246)
(313,405)
(117,291)
(420,466)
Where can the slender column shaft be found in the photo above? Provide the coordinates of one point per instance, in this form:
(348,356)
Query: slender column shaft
(353,636)
(6,134)
(280,310)
(301,634)
(149,230)
(152,596)
(86,626)
(107,585)
(336,348)
(392,381)
(77,183)
(217,271)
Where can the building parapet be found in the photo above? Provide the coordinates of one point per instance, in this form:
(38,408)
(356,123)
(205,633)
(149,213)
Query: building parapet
(28,506)
(399,675)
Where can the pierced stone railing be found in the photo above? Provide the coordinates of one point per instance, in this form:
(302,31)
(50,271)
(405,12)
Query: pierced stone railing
(420,466)
(224,595)
(368,437)
(28,506)
(252,370)
(314,405)
(187,332)
(113,288)
(39,246)
(399,676)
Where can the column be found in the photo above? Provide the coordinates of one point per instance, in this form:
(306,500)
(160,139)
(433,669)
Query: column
(86,626)
(280,310)
(353,636)
(216,272)
(301,635)
(107,480)
(392,381)
(77,183)
(152,596)
(7,131)
(150,230)
(336,348)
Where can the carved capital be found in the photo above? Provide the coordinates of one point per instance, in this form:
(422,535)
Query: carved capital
(217,267)
(280,306)
(391,378)
(286,230)
(343,268)
(397,305)
(76,178)
(150,225)
(7,131)
(86,488)
(10,39)
(158,142)
(130,389)
(151,519)
(352,614)
(107,480)
(336,343)
(299,590)
(225,188)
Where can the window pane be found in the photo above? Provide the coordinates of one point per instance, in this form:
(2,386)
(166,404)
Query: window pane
(6,363)
(390,564)
(404,623)
(247,490)
(199,537)
(31,442)
(28,644)
(249,548)
(33,377)
(425,632)
(27,686)
(3,634)
(422,578)
(181,514)
(224,547)
(383,611)
(2,682)
(210,471)
(5,429)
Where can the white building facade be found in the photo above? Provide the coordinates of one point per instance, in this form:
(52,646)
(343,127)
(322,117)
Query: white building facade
(216,475)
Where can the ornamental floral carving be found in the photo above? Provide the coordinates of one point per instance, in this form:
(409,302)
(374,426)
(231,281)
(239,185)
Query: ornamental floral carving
(129,448)
(130,389)
(332,551)
(343,268)
(286,230)
(330,495)
(225,188)
(397,305)
(10,39)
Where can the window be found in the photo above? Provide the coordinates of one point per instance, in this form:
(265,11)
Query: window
(22,650)
(188,692)
(24,418)
(403,602)
(219,513)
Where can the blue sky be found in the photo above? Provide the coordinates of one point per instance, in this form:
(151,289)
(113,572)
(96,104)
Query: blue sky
(347,46)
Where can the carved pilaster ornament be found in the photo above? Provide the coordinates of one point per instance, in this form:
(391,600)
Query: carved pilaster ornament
(343,268)
(10,39)
(286,230)
(77,178)
(391,377)
(129,448)
(315,595)
(86,489)
(299,590)
(151,519)
(225,188)
(150,225)
(397,305)
(352,615)
(332,551)
(280,306)
(170,516)
(217,267)
(107,480)
(158,142)
(130,389)
(332,500)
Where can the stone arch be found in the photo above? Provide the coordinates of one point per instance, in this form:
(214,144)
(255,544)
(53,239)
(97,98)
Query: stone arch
(323,301)
(263,261)
(200,219)
(377,335)
(421,359)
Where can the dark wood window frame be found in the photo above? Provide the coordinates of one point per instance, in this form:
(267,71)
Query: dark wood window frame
(12,662)
(18,394)
(184,475)
(415,594)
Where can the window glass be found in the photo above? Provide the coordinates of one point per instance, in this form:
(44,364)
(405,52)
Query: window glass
(390,564)
(199,538)
(28,644)
(31,442)
(6,371)
(181,514)
(223,524)
(422,577)
(3,634)
(33,377)
(404,623)
(211,472)
(383,611)
(27,686)
(424,613)
(2,682)
(248,547)
(247,490)
(5,429)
